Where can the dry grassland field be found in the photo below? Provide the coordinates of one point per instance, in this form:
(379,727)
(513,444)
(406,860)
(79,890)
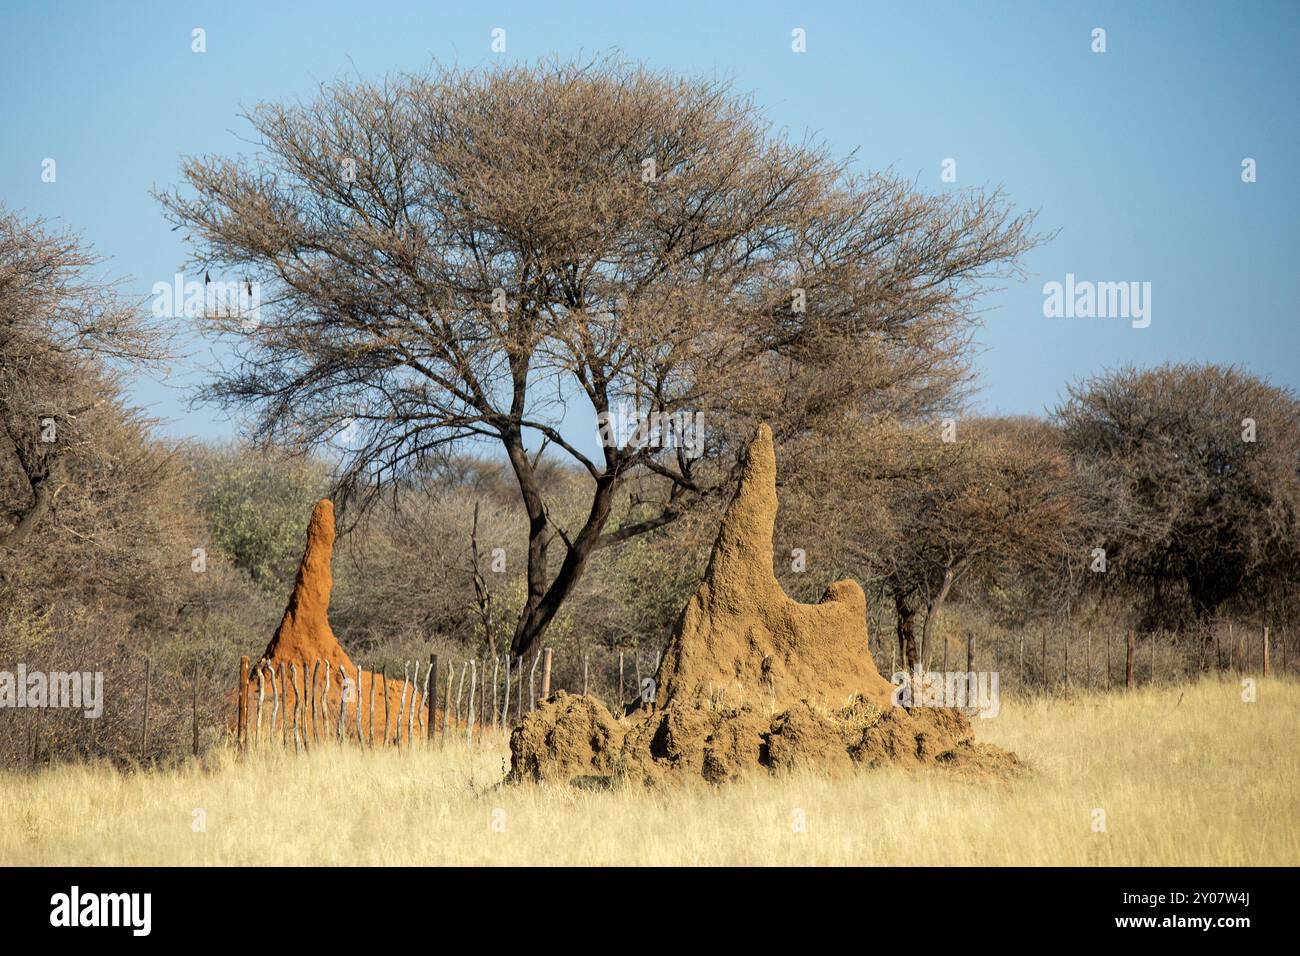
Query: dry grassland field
(1185,775)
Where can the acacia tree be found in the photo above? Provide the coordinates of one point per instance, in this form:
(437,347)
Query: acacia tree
(461,255)
(64,336)
(1191,483)
(918,515)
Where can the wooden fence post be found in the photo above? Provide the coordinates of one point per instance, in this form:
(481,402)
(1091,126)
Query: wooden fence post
(343,702)
(410,712)
(446,703)
(469,709)
(1108,667)
(299,709)
(505,697)
(1128,661)
(945,653)
(1264,650)
(460,691)
(401,706)
(370,715)
(328,671)
(144,725)
(311,693)
(496,664)
(261,697)
(241,734)
(361,741)
(621,683)
(546,674)
(970,651)
(275,704)
(432,694)
(194,710)
(284,712)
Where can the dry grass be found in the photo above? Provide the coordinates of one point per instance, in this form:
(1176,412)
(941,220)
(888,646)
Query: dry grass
(1186,776)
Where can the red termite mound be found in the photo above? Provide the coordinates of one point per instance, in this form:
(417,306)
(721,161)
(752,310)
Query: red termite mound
(304,638)
(752,681)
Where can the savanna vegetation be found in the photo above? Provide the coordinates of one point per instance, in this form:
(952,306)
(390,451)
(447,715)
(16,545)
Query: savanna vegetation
(463,270)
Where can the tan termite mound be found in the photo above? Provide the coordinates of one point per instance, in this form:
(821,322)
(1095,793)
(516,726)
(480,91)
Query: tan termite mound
(304,638)
(751,681)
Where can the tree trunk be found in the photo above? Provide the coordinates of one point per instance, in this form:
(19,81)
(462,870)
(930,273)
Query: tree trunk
(544,601)
(906,633)
(42,478)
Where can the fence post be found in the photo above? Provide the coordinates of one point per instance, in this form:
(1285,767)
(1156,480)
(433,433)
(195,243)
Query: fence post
(261,696)
(1108,667)
(620,679)
(299,709)
(970,652)
(496,665)
(361,741)
(1265,650)
(194,710)
(546,674)
(401,707)
(469,707)
(328,671)
(311,692)
(343,702)
(1128,661)
(410,713)
(144,728)
(284,711)
(532,683)
(432,702)
(275,706)
(505,697)
(446,702)
(370,713)
(242,723)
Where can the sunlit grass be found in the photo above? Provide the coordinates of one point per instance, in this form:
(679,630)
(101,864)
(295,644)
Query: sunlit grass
(1184,775)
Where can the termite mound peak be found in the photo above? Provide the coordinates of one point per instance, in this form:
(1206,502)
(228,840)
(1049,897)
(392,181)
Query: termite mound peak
(751,682)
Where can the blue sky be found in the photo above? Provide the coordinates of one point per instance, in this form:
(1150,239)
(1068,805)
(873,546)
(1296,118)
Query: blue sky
(1133,156)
